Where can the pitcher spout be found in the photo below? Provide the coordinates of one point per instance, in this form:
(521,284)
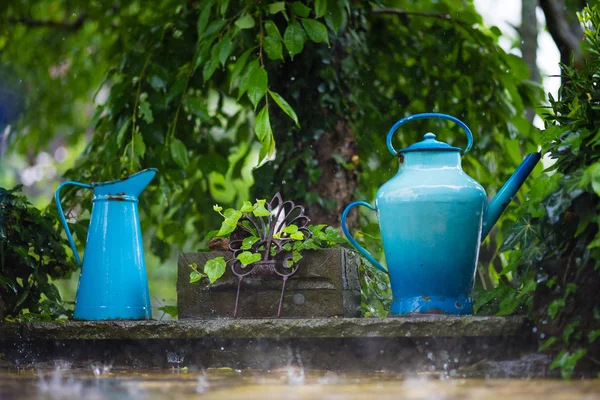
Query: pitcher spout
(130,187)
(502,199)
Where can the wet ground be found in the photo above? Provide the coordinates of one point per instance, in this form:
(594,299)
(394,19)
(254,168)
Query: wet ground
(102,382)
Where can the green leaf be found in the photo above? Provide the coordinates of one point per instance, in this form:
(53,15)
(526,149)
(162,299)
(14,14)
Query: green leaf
(196,106)
(214,28)
(179,153)
(257,87)
(215,268)
(225,49)
(247,258)
(567,362)
(203,21)
(294,38)
(247,207)
(335,16)
(122,131)
(272,30)
(285,107)
(317,32)
(276,7)
(260,210)
(238,67)
(248,242)
(230,222)
(209,68)
(245,22)
(139,147)
(297,236)
(296,256)
(157,77)
(196,276)
(246,78)
(290,229)
(146,112)
(224,5)
(262,126)
(173,311)
(320,8)
(273,47)
(300,9)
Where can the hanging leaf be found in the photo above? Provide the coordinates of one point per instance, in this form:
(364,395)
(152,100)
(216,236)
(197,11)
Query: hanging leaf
(122,131)
(245,22)
(294,38)
(238,67)
(157,77)
(285,107)
(257,86)
(196,107)
(179,153)
(273,48)
(317,32)
(320,8)
(246,78)
(203,21)
(274,8)
(300,9)
(262,125)
(146,111)
(225,49)
(139,147)
(272,30)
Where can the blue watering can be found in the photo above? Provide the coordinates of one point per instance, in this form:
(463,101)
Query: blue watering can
(113,282)
(432,218)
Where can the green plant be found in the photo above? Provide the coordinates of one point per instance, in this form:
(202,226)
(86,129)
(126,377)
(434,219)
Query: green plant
(554,248)
(243,227)
(31,255)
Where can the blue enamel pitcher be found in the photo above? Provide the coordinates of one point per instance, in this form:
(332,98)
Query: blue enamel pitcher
(432,218)
(113,282)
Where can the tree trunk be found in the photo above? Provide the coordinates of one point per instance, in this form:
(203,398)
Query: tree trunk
(337,183)
(564,29)
(528,32)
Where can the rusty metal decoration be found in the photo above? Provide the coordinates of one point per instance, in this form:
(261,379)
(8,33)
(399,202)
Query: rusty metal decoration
(274,258)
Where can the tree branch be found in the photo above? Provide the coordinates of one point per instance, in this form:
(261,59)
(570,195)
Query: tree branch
(566,37)
(47,23)
(440,16)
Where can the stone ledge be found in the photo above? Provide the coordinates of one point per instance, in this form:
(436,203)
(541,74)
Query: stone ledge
(410,326)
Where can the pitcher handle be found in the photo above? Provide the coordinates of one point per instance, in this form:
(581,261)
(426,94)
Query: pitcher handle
(415,117)
(61,215)
(357,246)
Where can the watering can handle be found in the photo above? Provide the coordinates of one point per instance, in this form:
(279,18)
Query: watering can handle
(61,214)
(358,247)
(457,121)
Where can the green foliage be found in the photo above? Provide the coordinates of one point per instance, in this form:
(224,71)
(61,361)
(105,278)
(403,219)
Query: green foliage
(254,244)
(31,255)
(554,247)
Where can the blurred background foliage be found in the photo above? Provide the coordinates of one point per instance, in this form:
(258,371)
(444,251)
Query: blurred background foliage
(234,100)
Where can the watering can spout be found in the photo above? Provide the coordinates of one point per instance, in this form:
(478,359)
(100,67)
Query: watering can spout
(502,199)
(129,187)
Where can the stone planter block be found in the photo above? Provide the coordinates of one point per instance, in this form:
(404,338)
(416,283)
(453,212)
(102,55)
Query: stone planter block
(326,285)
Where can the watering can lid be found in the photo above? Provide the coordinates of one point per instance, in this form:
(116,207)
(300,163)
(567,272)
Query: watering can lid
(429,144)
